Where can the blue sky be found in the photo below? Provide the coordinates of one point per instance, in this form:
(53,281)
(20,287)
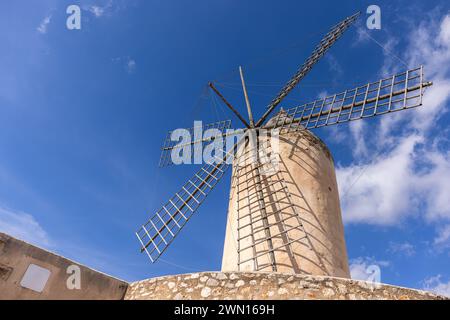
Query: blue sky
(84,113)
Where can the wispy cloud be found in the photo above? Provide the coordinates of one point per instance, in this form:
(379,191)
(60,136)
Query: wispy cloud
(96,10)
(357,130)
(23,226)
(436,285)
(100,10)
(334,66)
(322,94)
(43,26)
(128,63)
(404,248)
(442,239)
(361,34)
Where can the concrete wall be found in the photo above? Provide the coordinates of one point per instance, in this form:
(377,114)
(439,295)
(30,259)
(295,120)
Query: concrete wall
(15,258)
(307,169)
(248,286)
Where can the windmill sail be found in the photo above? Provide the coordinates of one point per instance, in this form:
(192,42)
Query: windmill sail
(268,223)
(162,228)
(170,145)
(329,39)
(398,92)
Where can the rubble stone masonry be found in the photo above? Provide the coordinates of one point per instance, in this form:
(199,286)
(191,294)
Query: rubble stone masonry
(258,285)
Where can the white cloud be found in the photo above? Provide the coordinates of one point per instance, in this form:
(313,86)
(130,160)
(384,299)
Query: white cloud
(405,248)
(358,271)
(391,187)
(379,193)
(97,11)
(361,268)
(434,284)
(43,26)
(408,170)
(22,226)
(100,10)
(357,129)
(444,34)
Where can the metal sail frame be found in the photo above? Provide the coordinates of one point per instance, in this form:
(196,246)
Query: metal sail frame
(170,146)
(399,92)
(323,46)
(162,228)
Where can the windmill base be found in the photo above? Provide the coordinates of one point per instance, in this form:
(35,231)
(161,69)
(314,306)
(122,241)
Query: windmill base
(261,286)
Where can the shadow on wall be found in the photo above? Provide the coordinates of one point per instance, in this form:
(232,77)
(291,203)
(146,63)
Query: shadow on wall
(302,240)
(324,227)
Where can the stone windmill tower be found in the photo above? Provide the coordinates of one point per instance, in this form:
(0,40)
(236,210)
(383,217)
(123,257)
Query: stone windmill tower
(284,213)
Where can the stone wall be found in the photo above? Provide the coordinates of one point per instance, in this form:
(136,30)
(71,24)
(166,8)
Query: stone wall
(220,285)
(29,272)
(17,259)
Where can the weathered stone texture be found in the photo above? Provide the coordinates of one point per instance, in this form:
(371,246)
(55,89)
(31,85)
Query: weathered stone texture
(258,285)
(302,197)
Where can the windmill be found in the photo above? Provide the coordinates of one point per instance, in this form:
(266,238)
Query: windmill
(283,219)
